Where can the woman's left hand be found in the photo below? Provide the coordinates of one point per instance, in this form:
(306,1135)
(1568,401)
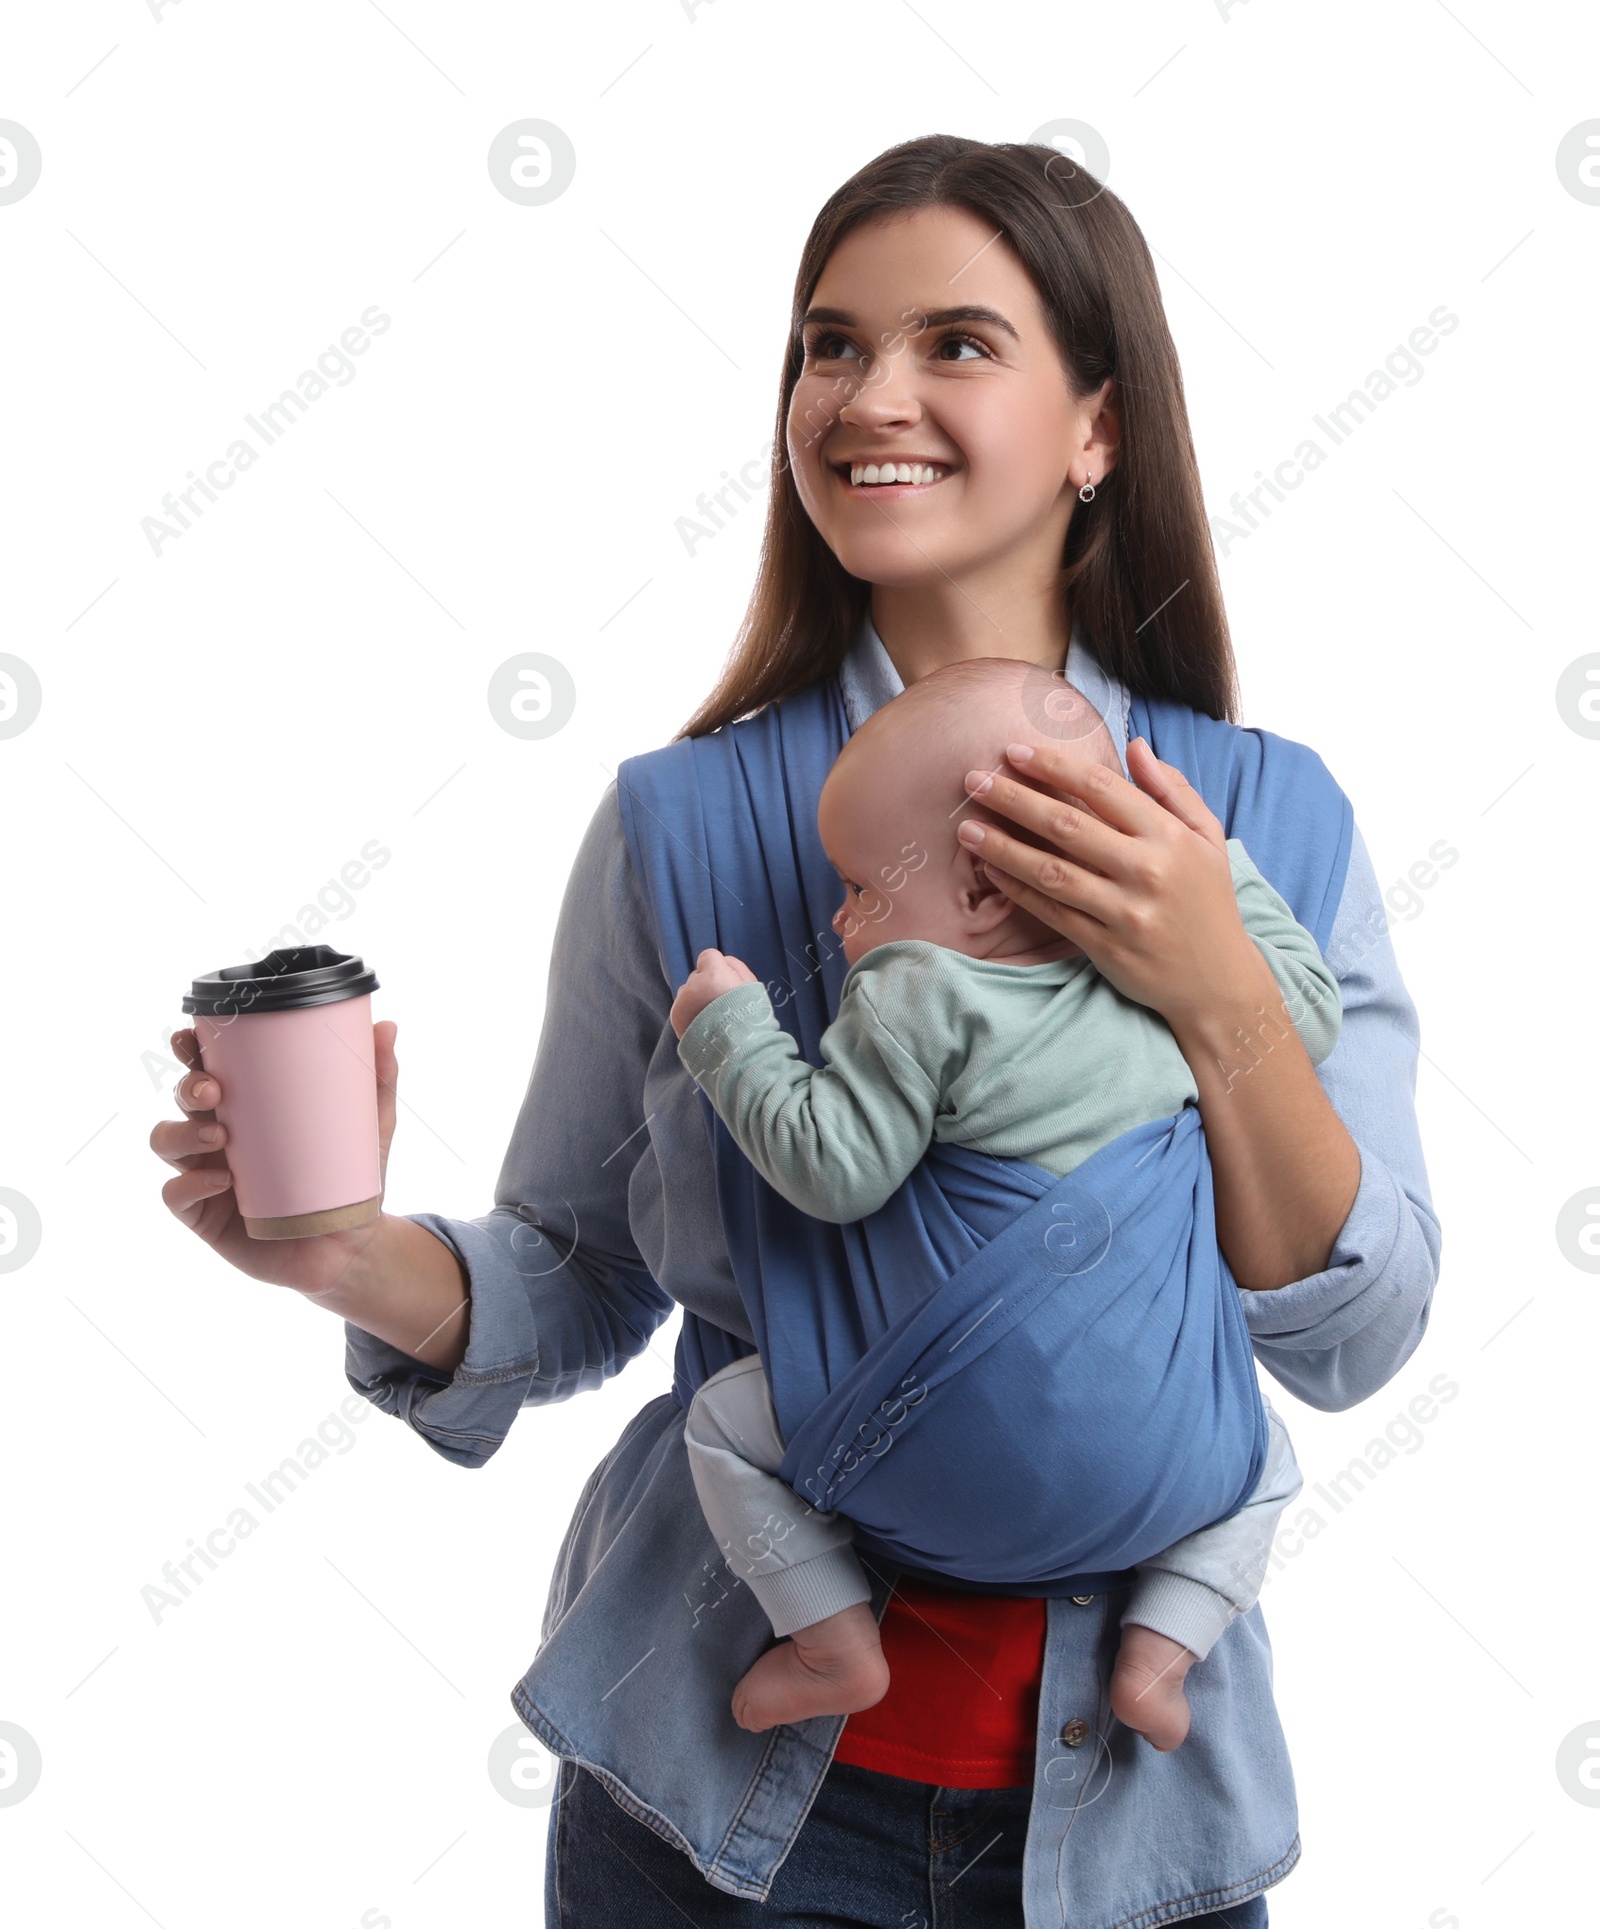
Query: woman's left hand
(1140,879)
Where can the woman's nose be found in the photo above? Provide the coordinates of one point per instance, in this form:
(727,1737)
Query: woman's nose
(885,399)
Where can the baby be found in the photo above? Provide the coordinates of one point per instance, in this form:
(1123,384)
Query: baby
(947,1027)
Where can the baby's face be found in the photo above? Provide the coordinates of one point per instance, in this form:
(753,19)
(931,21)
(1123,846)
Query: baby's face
(888,820)
(887,892)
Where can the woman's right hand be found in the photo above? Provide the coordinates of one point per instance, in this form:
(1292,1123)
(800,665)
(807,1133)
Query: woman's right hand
(202,1196)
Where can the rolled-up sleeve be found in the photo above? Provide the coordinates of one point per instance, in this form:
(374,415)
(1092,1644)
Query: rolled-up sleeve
(1337,1336)
(561,1298)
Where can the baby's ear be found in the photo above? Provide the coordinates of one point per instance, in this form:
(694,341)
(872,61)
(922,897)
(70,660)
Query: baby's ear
(983,901)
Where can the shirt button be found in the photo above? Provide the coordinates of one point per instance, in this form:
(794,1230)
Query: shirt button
(1076,1732)
(1082,1600)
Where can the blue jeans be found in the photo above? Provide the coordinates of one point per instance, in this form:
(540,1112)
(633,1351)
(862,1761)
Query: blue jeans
(875,1852)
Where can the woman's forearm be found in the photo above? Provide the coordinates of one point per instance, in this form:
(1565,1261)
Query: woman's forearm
(1285,1170)
(406,1287)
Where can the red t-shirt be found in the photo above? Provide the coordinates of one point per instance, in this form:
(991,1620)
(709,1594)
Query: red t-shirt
(963,1700)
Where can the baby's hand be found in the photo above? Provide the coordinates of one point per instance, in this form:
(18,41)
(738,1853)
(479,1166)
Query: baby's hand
(713,974)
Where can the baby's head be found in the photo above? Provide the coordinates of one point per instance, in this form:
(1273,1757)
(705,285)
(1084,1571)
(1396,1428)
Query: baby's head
(895,796)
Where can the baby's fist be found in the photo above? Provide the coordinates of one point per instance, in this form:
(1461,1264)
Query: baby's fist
(714,973)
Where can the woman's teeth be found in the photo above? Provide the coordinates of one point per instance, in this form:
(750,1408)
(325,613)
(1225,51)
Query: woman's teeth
(870,473)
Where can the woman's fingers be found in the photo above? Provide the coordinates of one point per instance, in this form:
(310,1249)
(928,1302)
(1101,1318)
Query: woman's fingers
(194,1144)
(198,1135)
(1043,882)
(1065,918)
(179,1141)
(1168,785)
(1079,852)
(1106,792)
(1083,825)
(186,1194)
(196,1091)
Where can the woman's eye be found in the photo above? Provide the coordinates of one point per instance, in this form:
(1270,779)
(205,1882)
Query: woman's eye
(960,341)
(830,348)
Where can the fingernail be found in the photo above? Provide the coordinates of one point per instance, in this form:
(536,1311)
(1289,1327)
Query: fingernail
(203,1093)
(979,781)
(210,1134)
(220,1178)
(971,833)
(1019,753)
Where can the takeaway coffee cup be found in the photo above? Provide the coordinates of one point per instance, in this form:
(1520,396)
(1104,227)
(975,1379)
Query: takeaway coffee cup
(289,1039)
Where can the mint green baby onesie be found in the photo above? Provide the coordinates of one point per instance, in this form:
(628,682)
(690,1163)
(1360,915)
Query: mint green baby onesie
(1044,1062)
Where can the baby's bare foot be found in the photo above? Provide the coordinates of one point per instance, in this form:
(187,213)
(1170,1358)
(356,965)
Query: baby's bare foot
(833,1667)
(1147,1686)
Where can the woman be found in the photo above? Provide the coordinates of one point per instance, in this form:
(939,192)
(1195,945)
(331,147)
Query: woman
(962,311)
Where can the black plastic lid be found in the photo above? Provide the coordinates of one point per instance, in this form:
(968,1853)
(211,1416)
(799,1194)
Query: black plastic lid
(307,974)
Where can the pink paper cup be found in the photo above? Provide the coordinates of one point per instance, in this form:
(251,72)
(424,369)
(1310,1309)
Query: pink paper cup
(289,1039)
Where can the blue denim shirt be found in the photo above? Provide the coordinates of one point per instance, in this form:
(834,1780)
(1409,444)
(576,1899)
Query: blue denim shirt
(602,1222)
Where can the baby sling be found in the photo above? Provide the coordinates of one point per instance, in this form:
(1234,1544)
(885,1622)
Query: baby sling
(1001,1377)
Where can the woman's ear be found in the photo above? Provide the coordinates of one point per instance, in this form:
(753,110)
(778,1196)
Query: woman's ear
(1105,408)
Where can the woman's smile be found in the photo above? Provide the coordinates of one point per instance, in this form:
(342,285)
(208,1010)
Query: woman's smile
(891,475)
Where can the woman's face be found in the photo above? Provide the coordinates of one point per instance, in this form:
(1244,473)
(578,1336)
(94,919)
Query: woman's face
(926,346)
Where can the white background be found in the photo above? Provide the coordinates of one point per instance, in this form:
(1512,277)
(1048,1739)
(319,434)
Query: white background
(227,723)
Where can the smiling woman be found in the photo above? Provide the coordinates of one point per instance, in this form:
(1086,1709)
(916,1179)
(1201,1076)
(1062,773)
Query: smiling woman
(1015,349)
(1001,350)
(976,402)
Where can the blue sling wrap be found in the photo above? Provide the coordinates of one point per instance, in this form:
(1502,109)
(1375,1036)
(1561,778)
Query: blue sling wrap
(1005,1379)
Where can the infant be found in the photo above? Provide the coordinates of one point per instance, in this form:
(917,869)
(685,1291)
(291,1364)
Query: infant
(947,1027)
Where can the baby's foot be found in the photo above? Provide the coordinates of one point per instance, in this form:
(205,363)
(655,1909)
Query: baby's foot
(833,1667)
(1147,1686)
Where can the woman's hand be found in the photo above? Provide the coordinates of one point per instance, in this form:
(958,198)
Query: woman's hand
(202,1194)
(1137,876)
(714,973)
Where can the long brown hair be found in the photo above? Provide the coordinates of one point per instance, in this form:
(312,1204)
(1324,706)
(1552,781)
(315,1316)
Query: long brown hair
(1139,571)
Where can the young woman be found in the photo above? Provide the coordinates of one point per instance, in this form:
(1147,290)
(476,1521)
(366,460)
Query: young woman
(991,321)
